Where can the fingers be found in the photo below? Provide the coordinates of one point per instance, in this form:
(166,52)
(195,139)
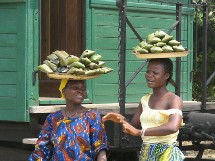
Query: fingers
(107,117)
(122,121)
(113,117)
(124,128)
(127,128)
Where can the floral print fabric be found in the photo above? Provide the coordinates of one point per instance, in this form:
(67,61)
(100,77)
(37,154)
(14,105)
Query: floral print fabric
(72,139)
(161,152)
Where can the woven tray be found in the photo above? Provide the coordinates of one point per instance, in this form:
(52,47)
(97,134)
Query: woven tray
(69,76)
(161,55)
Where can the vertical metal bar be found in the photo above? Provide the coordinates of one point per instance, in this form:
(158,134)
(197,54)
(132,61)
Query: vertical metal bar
(196,38)
(204,57)
(122,5)
(122,59)
(178,60)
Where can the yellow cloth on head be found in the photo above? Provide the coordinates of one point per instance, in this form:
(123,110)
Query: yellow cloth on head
(62,85)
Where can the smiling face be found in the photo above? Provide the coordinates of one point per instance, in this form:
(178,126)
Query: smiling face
(75,91)
(156,75)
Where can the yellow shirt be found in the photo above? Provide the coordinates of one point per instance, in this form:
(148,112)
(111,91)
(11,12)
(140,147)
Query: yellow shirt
(153,118)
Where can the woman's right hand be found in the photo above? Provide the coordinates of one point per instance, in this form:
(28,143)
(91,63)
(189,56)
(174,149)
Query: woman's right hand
(115,117)
(129,129)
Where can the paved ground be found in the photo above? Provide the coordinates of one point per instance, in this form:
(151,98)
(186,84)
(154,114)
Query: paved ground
(208,153)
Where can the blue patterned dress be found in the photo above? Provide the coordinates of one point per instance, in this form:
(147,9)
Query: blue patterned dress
(72,139)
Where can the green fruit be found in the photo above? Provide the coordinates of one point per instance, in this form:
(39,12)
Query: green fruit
(167,49)
(173,43)
(179,48)
(95,58)
(77,65)
(155,49)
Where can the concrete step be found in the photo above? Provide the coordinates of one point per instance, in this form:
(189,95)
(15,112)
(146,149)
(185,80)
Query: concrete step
(101,108)
(29,141)
(130,108)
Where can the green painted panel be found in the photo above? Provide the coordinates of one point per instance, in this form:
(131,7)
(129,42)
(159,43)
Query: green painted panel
(8,27)
(102,36)
(6,52)
(106,78)
(137,88)
(12,1)
(108,98)
(108,54)
(110,20)
(8,65)
(8,91)
(8,14)
(102,42)
(8,78)
(8,103)
(106,43)
(166,2)
(133,1)
(13,60)
(142,22)
(105,89)
(8,39)
(6,115)
(106,31)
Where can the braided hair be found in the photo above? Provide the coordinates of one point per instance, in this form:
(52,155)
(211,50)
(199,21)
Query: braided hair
(167,65)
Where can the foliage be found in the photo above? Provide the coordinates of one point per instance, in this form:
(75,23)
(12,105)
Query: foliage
(210,57)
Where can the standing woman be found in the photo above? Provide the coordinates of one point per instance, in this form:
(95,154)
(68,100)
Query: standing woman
(158,117)
(74,133)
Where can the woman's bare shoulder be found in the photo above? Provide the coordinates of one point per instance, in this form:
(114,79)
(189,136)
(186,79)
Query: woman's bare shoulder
(175,102)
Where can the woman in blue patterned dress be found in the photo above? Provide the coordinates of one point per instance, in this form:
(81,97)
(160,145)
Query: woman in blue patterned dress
(74,133)
(158,117)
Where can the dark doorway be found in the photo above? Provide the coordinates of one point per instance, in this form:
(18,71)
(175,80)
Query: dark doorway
(62,28)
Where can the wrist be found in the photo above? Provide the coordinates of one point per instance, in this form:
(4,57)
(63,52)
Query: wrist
(142,132)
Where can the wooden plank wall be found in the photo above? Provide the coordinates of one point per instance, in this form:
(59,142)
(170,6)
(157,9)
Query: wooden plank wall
(61,29)
(104,38)
(12,61)
(169,2)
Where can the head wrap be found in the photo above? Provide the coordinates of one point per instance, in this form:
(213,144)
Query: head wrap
(62,86)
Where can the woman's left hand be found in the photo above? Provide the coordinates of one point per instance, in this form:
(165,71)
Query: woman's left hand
(102,156)
(115,117)
(129,129)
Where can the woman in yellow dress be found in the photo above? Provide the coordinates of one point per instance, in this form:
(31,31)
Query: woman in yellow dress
(158,117)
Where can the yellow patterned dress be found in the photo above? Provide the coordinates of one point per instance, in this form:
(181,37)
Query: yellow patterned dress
(158,148)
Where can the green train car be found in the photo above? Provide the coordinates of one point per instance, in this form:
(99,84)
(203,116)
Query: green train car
(32,29)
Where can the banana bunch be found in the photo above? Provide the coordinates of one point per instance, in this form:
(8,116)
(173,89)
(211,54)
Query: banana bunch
(158,42)
(88,64)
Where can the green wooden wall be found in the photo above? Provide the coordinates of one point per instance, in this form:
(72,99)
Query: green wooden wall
(166,2)
(16,49)
(19,40)
(102,36)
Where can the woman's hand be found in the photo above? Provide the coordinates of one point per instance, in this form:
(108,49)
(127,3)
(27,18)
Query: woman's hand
(129,129)
(102,156)
(115,117)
